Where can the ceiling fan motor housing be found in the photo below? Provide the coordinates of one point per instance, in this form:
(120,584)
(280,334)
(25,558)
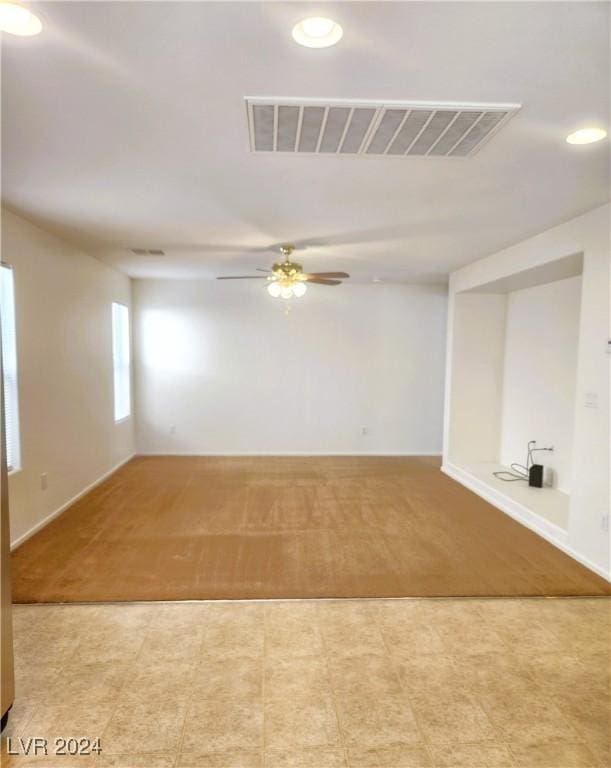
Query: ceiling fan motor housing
(287,270)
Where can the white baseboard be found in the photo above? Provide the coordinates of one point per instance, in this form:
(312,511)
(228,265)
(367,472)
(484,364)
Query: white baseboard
(548,531)
(280,454)
(45,521)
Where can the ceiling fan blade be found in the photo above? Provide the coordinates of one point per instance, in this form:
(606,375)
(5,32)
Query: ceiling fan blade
(260,269)
(328,274)
(243,277)
(322,281)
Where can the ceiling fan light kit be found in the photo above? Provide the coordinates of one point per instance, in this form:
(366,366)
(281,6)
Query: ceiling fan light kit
(288,280)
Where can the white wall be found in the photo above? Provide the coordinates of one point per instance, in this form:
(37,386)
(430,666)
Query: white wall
(587,538)
(476,405)
(63,299)
(222,365)
(540,375)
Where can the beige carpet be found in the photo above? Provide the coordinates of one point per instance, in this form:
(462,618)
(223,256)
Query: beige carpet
(175,528)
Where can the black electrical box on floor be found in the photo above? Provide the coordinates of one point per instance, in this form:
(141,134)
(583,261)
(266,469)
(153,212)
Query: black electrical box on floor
(535,476)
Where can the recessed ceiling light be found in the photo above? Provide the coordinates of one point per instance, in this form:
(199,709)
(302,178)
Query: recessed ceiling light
(317,32)
(17,20)
(586,136)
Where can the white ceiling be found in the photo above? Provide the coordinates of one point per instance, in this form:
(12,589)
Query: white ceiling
(124,126)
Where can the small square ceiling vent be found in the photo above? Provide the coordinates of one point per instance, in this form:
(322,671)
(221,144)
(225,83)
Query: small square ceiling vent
(424,129)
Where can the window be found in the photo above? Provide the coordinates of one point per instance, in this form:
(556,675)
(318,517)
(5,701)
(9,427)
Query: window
(121,360)
(9,365)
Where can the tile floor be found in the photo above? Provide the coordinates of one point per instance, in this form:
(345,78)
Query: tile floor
(367,684)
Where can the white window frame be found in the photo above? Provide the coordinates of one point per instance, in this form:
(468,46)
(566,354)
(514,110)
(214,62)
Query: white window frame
(9,367)
(121,362)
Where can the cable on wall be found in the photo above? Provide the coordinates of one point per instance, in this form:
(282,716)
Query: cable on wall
(517,472)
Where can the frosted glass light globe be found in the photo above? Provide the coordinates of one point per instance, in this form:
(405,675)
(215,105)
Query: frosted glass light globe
(274,290)
(299,289)
(286,292)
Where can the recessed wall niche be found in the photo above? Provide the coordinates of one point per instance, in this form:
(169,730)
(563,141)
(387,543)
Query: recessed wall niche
(513,379)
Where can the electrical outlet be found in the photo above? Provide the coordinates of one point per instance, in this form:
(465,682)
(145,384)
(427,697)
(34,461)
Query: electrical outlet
(364,430)
(44,482)
(172,429)
(591,400)
(604,522)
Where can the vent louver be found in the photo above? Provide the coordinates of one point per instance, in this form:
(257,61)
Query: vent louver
(147,251)
(423,129)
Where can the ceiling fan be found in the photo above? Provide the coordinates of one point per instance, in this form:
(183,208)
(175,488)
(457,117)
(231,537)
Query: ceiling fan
(287,279)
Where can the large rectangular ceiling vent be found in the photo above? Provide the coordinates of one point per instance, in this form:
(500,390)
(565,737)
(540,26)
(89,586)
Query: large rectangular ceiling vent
(422,129)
